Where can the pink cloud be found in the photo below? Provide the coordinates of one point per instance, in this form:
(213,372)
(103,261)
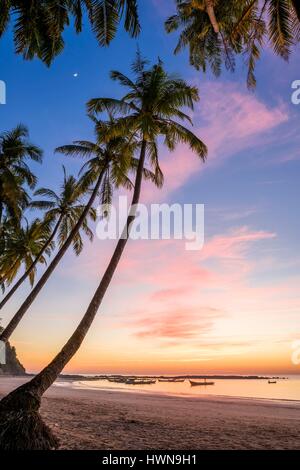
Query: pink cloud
(233,115)
(179,297)
(228,120)
(166,263)
(173,293)
(183,304)
(234,244)
(183,323)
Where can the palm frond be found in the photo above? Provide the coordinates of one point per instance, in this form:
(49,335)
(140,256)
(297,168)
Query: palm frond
(105,20)
(129,9)
(111,105)
(280,27)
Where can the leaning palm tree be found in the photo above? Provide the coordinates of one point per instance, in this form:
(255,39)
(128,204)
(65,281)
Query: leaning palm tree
(15,151)
(23,247)
(107,165)
(62,212)
(39,24)
(151,108)
(216,31)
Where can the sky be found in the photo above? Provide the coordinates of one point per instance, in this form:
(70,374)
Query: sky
(232,307)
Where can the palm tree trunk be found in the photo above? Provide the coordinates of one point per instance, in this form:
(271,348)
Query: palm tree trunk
(5,335)
(34,263)
(26,399)
(211,13)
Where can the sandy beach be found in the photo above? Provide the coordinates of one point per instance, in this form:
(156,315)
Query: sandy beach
(92,419)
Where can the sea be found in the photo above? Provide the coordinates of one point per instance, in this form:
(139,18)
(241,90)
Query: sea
(286,387)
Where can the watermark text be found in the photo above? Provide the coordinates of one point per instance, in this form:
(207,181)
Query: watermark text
(296,352)
(2,353)
(153,222)
(2,92)
(296,94)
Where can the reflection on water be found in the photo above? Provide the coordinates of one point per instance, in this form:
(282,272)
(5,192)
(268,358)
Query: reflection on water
(282,390)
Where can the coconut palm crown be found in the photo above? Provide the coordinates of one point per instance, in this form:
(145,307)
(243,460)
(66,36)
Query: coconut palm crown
(22,247)
(216,31)
(63,211)
(38,25)
(15,175)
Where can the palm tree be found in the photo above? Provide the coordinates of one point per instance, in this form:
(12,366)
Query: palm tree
(15,150)
(15,175)
(71,217)
(10,263)
(107,165)
(151,108)
(23,246)
(273,21)
(216,31)
(62,210)
(206,27)
(39,24)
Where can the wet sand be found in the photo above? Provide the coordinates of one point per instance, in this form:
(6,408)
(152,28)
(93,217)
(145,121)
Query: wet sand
(111,420)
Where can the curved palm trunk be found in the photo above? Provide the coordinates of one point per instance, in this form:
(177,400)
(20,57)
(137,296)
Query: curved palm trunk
(32,266)
(26,399)
(5,335)
(211,13)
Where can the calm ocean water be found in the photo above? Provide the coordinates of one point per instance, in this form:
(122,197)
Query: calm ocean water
(288,389)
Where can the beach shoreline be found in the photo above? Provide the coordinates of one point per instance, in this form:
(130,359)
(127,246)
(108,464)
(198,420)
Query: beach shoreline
(110,419)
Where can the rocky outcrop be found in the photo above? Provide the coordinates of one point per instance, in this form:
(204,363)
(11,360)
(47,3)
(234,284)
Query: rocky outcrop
(12,366)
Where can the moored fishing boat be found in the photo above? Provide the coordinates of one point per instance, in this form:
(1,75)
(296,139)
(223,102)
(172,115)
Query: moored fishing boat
(170,380)
(140,382)
(194,383)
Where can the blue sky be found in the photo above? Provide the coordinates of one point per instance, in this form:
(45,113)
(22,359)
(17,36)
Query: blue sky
(250,187)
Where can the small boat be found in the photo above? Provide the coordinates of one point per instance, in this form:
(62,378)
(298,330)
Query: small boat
(116,380)
(272,381)
(140,382)
(193,383)
(171,380)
